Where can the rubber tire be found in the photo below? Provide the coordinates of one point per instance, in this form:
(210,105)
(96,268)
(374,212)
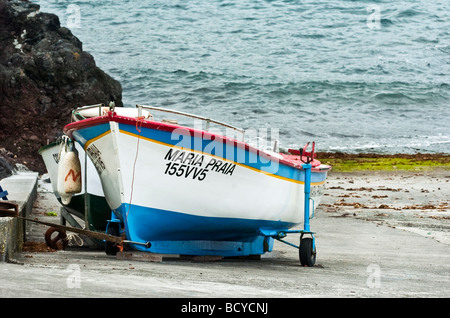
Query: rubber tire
(113,228)
(306,252)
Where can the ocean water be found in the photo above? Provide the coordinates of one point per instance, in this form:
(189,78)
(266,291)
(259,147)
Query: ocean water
(353,76)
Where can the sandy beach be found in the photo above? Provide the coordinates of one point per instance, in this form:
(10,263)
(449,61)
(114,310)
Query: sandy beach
(418,202)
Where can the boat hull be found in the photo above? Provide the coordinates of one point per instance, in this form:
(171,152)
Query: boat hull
(191,192)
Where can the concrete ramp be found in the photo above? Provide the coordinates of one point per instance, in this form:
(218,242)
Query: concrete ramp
(22,190)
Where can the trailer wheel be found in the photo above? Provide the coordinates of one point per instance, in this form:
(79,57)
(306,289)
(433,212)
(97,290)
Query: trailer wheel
(113,228)
(307,252)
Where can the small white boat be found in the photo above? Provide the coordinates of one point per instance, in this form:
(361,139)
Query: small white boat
(180,190)
(91,196)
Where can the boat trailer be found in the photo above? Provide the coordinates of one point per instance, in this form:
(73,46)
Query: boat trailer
(307,246)
(114,242)
(60,241)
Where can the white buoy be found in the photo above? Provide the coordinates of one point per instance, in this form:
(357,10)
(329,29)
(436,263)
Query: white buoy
(69,171)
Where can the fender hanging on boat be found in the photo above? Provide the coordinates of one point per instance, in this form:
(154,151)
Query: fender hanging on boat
(69,171)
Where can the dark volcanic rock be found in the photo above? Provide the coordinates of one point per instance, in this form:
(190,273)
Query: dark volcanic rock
(44,75)
(6,169)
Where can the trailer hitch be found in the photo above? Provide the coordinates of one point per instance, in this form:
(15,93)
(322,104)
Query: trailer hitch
(8,209)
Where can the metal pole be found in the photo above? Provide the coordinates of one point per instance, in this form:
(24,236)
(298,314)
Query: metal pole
(307,168)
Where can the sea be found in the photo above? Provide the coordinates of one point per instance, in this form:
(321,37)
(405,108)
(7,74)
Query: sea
(352,76)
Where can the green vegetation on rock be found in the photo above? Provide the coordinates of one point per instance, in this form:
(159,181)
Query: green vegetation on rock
(375,162)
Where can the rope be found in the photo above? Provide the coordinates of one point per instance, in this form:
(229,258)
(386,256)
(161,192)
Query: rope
(75,239)
(139,121)
(63,143)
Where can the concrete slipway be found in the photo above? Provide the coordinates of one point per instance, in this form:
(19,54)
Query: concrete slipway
(371,243)
(22,190)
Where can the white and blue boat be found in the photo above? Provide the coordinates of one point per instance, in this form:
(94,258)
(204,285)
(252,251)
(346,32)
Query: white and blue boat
(175,189)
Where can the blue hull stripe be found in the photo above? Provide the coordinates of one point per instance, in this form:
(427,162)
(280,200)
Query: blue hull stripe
(147,224)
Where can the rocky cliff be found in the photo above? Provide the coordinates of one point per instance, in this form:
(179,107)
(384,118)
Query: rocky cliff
(44,74)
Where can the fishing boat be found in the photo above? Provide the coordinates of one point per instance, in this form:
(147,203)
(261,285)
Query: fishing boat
(178,189)
(89,203)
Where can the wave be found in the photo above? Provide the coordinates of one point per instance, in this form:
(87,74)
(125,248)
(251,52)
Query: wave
(256,88)
(408,13)
(310,36)
(391,96)
(398,144)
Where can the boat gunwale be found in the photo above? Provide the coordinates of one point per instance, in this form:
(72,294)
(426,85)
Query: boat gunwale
(48,146)
(167,127)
